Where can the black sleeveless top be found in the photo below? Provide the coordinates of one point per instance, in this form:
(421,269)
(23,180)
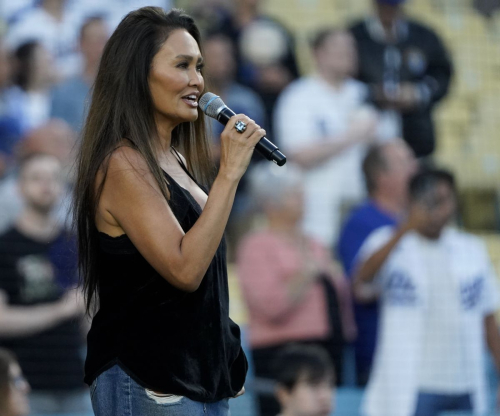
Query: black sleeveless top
(167,340)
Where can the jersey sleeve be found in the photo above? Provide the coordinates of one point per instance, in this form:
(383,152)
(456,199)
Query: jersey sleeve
(374,242)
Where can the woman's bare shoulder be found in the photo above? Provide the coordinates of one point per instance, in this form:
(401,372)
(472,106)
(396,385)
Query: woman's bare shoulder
(126,169)
(125,156)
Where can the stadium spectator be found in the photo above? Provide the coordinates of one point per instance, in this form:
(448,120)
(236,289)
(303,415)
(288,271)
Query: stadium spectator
(387,170)
(407,69)
(33,78)
(487,8)
(41,313)
(54,138)
(54,25)
(9,10)
(220,72)
(113,11)
(323,124)
(10,111)
(69,98)
(208,13)
(438,298)
(14,388)
(305,381)
(293,289)
(265,69)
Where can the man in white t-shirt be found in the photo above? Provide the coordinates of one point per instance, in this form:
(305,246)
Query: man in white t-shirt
(438,297)
(322,124)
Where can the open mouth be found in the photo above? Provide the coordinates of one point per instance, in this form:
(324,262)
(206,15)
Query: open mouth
(191,100)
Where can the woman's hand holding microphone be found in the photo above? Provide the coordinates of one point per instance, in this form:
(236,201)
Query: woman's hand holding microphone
(238,141)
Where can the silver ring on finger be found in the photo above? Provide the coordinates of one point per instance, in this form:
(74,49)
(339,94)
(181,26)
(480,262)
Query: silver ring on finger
(240,126)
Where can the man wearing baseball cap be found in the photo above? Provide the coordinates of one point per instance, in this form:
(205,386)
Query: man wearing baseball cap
(407,68)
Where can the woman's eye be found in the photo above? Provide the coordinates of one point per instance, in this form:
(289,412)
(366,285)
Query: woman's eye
(200,67)
(182,65)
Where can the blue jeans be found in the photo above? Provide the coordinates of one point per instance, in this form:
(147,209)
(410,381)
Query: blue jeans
(115,393)
(433,404)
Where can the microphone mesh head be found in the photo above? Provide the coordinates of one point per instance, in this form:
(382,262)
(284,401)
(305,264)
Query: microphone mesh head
(210,103)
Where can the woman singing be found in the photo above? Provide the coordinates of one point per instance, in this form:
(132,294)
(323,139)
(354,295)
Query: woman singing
(151,245)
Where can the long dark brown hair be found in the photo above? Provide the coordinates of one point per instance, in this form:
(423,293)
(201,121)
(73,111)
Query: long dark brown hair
(122,108)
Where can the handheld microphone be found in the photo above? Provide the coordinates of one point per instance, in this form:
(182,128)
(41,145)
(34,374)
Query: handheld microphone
(213,106)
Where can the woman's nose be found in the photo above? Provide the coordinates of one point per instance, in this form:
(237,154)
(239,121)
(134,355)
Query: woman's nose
(195,78)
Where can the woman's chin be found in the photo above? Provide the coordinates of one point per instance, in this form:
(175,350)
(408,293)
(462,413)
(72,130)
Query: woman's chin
(190,118)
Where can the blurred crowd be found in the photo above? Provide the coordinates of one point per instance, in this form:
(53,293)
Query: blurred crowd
(350,245)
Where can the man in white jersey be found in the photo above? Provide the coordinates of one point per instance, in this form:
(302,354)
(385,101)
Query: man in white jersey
(438,296)
(323,124)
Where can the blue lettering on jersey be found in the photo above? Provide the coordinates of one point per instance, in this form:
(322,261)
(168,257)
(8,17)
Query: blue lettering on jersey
(400,290)
(470,293)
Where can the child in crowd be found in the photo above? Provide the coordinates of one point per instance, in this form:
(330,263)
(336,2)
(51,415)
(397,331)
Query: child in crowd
(305,381)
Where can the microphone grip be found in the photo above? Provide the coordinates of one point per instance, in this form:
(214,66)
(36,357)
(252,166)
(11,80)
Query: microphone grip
(265,147)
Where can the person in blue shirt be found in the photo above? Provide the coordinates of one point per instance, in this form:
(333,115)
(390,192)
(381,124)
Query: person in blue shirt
(69,99)
(387,169)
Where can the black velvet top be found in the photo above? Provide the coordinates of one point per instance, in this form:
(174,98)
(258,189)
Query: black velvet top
(167,340)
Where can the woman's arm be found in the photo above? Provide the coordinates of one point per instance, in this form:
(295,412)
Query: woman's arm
(131,198)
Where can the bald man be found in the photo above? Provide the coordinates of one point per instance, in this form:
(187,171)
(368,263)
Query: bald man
(387,170)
